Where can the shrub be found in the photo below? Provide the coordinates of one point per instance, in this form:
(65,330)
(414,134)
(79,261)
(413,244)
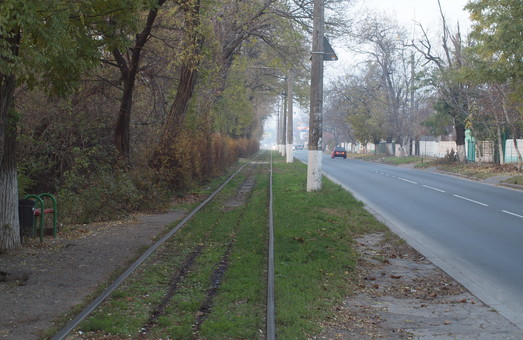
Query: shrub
(106,195)
(195,157)
(451,157)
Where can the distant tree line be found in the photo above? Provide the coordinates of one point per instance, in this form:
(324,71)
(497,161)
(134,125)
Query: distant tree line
(405,88)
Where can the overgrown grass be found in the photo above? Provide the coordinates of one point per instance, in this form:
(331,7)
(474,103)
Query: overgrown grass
(314,265)
(402,160)
(416,161)
(515,180)
(365,156)
(479,171)
(314,257)
(472,170)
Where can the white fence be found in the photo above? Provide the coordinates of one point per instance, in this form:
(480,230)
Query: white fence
(359,148)
(438,149)
(511,155)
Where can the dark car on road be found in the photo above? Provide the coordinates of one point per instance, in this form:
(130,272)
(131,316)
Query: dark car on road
(339,152)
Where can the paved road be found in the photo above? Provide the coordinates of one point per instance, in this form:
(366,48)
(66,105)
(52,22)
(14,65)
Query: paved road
(472,230)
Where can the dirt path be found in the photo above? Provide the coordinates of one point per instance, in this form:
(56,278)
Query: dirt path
(41,282)
(402,295)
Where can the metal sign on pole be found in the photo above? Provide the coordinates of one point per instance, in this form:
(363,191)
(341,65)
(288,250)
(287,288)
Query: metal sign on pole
(328,52)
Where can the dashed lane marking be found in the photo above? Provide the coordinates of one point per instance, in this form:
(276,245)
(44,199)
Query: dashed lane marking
(407,180)
(471,200)
(432,188)
(511,213)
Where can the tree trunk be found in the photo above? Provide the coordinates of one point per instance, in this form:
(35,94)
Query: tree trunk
(186,85)
(460,141)
(500,142)
(405,146)
(177,113)
(514,131)
(9,223)
(122,139)
(520,158)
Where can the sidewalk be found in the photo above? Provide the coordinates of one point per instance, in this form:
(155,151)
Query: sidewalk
(41,282)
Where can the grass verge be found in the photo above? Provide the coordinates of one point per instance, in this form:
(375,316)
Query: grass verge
(518,180)
(314,258)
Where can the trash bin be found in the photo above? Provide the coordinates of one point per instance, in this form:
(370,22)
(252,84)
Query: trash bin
(26,216)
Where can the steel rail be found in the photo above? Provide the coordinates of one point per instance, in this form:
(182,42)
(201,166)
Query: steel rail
(75,321)
(271,323)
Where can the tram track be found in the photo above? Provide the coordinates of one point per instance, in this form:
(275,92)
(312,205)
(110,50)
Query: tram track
(213,242)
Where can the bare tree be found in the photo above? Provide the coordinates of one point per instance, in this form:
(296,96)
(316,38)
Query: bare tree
(383,44)
(453,91)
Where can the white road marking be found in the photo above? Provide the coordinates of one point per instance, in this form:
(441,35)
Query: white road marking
(471,200)
(432,188)
(511,213)
(406,180)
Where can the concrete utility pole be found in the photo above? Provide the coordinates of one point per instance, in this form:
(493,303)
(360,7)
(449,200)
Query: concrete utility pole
(290,129)
(283,124)
(278,128)
(314,175)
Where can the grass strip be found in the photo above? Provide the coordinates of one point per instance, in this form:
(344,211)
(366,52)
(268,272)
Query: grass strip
(314,265)
(314,258)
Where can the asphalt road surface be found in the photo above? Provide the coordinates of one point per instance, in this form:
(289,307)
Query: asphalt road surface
(471,230)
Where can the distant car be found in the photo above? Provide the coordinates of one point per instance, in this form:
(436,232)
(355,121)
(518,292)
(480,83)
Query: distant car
(299,146)
(339,152)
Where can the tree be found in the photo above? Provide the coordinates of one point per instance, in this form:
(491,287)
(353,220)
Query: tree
(386,48)
(44,43)
(497,26)
(452,89)
(496,41)
(128,64)
(335,120)
(363,103)
(193,41)
(220,31)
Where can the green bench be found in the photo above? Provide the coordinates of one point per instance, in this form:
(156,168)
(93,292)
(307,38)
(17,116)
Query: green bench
(40,211)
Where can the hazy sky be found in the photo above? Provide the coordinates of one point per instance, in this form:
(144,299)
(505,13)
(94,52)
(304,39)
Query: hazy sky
(424,11)
(406,13)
